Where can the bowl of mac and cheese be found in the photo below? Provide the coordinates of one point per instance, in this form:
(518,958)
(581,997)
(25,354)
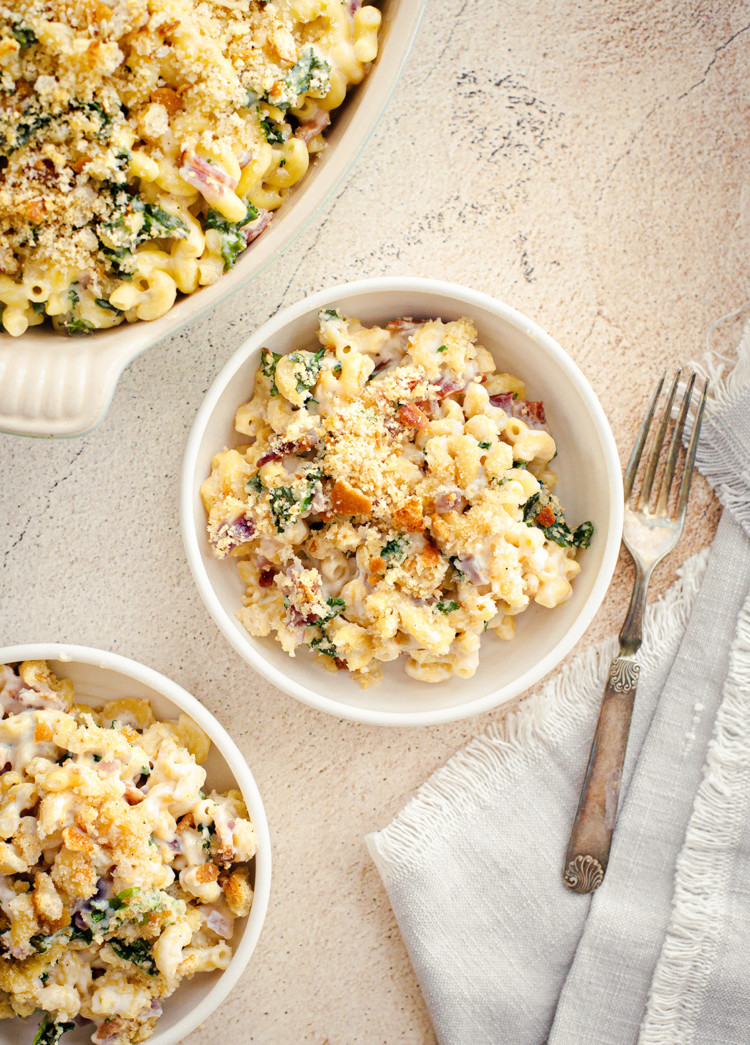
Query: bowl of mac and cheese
(155,157)
(401,501)
(134,852)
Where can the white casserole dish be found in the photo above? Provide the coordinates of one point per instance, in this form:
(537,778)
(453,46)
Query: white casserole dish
(98,677)
(53,385)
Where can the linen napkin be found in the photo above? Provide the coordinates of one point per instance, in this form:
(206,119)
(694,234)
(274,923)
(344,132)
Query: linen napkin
(504,953)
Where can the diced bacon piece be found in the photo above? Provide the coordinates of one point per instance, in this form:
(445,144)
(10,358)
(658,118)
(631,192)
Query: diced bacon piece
(474,569)
(411,416)
(530,412)
(320,503)
(283,449)
(449,501)
(221,924)
(315,125)
(503,400)
(265,578)
(231,534)
(210,179)
(447,386)
(253,229)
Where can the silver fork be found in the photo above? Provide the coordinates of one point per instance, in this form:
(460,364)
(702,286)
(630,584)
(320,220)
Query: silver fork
(654,518)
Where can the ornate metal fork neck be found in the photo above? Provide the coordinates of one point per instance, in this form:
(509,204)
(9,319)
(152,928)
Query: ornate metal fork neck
(631,633)
(651,530)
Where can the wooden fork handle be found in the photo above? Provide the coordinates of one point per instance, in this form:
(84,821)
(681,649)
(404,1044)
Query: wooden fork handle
(590,839)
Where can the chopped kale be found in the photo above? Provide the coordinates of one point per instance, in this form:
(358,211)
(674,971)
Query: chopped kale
(78,327)
(309,74)
(443,348)
(50,1032)
(556,529)
(24,35)
(485,445)
(103,303)
(207,831)
(284,501)
(233,240)
(446,606)
(454,563)
(97,114)
(85,934)
(118,901)
(271,132)
(395,550)
(336,606)
(328,313)
(38,307)
(306,368)
(135,223)
(18,131)
(268,361)
(138,952)
(324,645)
(158,222)
(582,534)
(254,483)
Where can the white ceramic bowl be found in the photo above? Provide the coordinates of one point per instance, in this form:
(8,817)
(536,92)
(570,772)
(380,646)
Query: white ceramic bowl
(53,385)
(100,676)
(590,487)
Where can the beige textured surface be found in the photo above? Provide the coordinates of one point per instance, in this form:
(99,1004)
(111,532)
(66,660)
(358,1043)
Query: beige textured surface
(584,162)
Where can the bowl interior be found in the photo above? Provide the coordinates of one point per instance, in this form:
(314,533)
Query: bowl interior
(96,682)
(589,488)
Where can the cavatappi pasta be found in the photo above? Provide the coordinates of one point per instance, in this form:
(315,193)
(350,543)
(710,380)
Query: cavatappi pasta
(119,877)
(394,496)
(145,143)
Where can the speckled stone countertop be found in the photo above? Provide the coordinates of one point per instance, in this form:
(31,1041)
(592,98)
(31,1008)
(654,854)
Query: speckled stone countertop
(586,163)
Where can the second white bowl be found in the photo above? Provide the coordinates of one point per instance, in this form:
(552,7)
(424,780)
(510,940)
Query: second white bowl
(99,677)
(590,487)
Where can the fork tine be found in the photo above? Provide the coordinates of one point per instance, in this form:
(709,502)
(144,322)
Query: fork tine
(674,449)
(640,442)
(687,475)
(653,459)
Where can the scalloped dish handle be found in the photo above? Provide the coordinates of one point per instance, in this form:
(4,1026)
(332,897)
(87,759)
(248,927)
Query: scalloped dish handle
(49,388)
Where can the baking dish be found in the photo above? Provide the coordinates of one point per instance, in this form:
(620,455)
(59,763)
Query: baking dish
(52,385)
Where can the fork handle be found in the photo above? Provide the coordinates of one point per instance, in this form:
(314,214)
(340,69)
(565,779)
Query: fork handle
(591,836)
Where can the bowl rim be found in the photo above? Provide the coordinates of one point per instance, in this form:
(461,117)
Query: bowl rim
(465,296)
(67,652)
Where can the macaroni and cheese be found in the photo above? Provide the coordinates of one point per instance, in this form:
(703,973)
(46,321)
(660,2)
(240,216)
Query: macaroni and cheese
(119,876)
(394,496)
(145,143)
